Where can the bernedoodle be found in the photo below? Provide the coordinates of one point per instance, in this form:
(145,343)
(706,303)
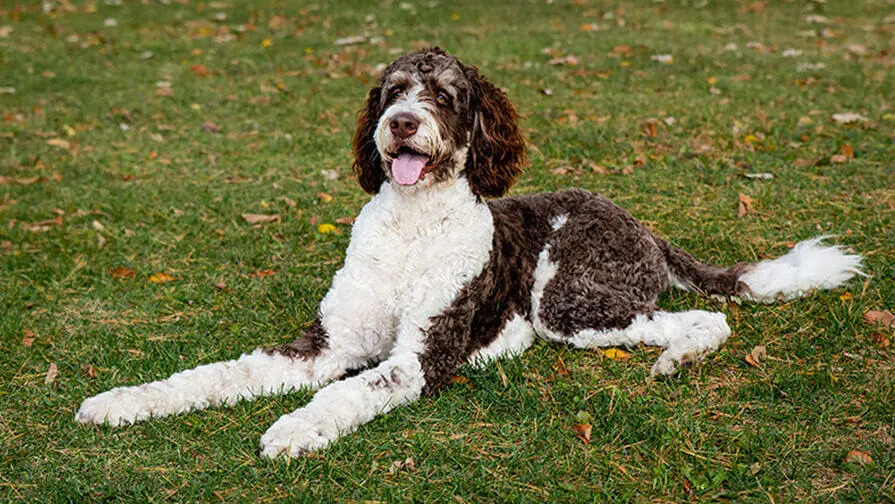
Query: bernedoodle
(436,276)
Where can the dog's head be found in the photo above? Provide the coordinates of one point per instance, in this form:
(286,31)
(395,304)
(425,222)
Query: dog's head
(431,119)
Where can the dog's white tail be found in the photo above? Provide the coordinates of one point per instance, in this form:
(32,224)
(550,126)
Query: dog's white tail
(809,265)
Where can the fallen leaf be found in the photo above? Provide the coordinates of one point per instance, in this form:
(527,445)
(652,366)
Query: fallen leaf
(616,354)
(122,272)
(199,70)
(649,128)
(406,464)
(266,43)
(260,219)
(560,367)
(51,374)
(221,286)
(756,356)
(845,296)
(759,176)
(886,318)
(326,198)
(460,380)
(744,205)
(91,372)
(288,201)
(327,229)
(356,39)
(583,431)
(28,337)
(662,58)
(161,277)
(58,142)
(848,118)
(263,273)
(211,127)
(346,220)
(858,457)
(135,352)
(565,60)
(838,159)
(847,151)
(45,225)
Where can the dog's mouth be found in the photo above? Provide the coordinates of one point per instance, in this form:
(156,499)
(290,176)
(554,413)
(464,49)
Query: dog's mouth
(409,165)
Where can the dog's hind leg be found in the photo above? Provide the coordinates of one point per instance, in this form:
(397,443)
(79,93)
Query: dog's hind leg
(589,315)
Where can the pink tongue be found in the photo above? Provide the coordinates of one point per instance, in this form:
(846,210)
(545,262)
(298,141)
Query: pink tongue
(407,167)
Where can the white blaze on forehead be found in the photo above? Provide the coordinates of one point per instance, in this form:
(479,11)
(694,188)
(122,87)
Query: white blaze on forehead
(427,139)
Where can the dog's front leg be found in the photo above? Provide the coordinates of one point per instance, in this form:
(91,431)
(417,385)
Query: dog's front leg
(352,329)
(425,358)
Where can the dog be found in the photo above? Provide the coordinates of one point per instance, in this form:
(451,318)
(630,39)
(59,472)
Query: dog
(436,276)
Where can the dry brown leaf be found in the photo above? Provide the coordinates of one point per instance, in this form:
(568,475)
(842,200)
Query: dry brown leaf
(260,219)
(885,317)
(51,374)
(58,142)
(45,225)
(744,205)
(406,464)
(122,272)
(756,356)
(838,159)
(583,430)
(28,337)
(91,371)
(345,220)
(161,277)
(649,128)
(460,380)
(859,457)
(847,151)
(560,367)
(199,70)
(211,127)
(263,273)
(288,201)
(565,60)
(221,286)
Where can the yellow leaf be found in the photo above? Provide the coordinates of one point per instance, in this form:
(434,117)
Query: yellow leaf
(266,42)
(69,130)
(455,16)
(160,277)
(195,106)
(750,139)
(712,80)
(845,296)
(326,198)
(616,354)
(327,229)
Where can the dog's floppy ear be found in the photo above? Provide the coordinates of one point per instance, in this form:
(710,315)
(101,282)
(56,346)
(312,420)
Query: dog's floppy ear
(497,149)
(367,162)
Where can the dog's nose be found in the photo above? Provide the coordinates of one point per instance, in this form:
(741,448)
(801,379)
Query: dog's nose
(404,124)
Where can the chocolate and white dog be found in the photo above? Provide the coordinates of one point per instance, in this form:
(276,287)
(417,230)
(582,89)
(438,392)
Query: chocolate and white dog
(436,277)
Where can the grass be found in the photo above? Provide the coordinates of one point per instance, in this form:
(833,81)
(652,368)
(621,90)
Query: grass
(104,132)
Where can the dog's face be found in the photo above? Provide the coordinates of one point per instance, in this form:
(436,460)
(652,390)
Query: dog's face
(432,119)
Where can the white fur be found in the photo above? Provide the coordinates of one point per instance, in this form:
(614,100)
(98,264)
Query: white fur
(226,382)
(516,336)
(809,265)
(686,336)
(432,243)
(558,221)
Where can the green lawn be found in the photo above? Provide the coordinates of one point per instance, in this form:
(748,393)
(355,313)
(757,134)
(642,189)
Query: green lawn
(134,136)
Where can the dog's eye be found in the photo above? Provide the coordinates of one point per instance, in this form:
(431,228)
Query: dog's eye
(443,99)
(396,92)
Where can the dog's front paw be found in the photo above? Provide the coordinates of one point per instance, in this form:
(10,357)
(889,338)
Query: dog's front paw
(296,434)
(116,407)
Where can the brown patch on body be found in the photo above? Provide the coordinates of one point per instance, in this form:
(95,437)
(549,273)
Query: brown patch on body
(308,346)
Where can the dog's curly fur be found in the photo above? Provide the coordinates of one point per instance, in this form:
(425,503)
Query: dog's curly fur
(436,277)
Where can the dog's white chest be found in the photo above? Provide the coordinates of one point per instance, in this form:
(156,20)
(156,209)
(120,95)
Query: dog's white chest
(424,247)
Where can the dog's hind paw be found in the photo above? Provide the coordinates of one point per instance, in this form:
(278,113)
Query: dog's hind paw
(295,435)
